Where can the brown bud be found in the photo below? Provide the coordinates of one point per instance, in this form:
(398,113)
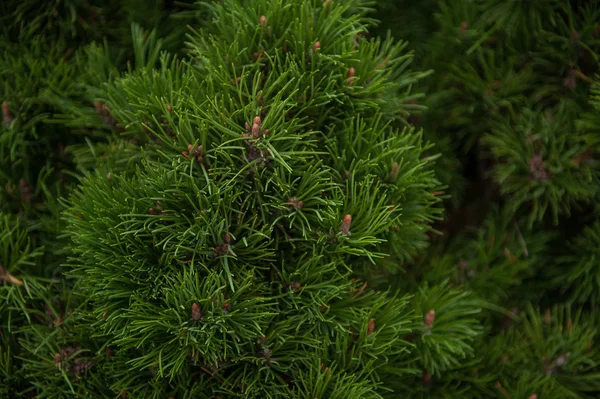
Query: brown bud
(263,20)
(170,109)
(294,203)
(345,227)
(429,318)
(426,378)
(537,168)
(547,317)
(255,130)
(295,286)
(463,27)
(574,36)
(6,114)
(395,169)
(109,176)
(196,314)
(57,360)
(317,46)
(371,327)
(534,396)
(227,238)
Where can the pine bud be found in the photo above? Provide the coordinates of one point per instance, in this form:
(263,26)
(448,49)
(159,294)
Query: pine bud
(196,314)
(429,318)
(534,396)
(371,327)
(109,176)
(574,37)
(547,317)
(294,203)
(255,130)
(350,75)
(395,169)
(57,361)
(295,286)
(427,378)
(317,46)
(345,227)
(537,168)
(170,109)
(463,27)
(263,20)
(6,114)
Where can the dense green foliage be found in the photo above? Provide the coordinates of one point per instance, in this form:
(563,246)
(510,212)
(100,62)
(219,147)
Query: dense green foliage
(300,199)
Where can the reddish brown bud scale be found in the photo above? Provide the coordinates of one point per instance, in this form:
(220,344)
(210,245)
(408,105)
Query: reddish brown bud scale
(537,168)
(463,28)
(170,109)
(371,327)
(502,389)
(427,378)
(350,76)
(255,130)
(317,46)
(395,169)
(57,360)
(227,238)
(6,114)
(263,20)
(429,318)
(345,227)
(534,396)
(196,314)
(295,286)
